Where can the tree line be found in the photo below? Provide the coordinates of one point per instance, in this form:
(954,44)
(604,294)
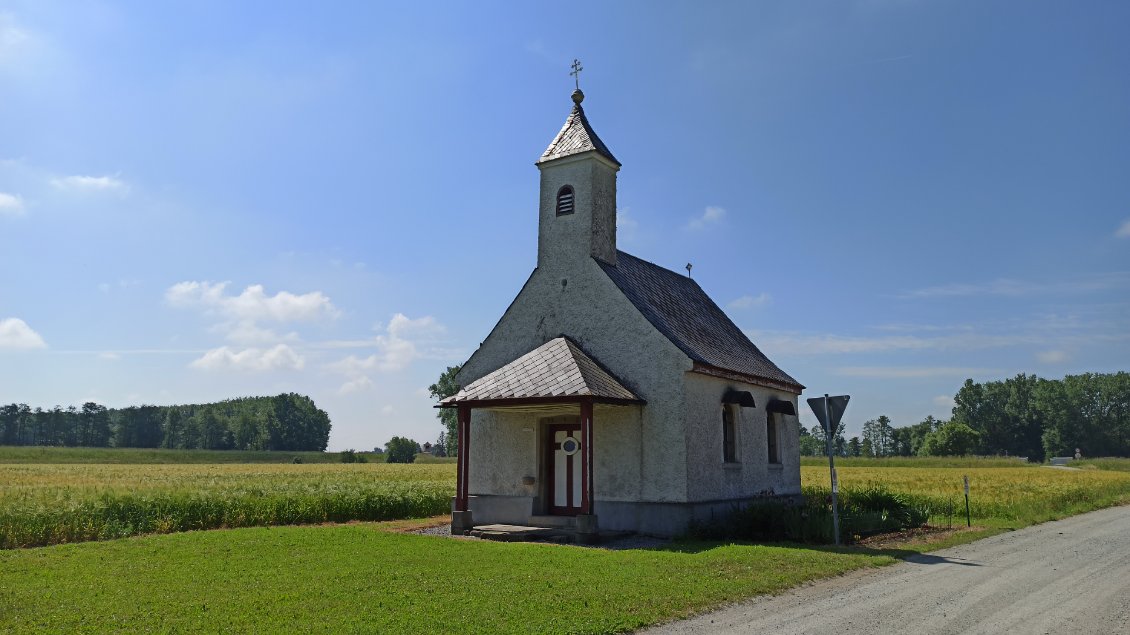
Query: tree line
(1024,416)
(284,422)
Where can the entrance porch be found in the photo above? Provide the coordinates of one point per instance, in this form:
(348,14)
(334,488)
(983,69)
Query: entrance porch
(549,392)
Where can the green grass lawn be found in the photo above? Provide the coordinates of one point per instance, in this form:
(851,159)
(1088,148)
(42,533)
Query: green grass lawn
(360,578)
(363,578)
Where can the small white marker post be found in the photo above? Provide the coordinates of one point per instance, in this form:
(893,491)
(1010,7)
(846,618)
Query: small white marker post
(968,521)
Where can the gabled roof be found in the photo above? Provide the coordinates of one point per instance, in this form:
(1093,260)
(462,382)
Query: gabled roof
(556,370)
(685,315)
(576,136)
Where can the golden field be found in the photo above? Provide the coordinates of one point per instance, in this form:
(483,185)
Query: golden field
(50,503)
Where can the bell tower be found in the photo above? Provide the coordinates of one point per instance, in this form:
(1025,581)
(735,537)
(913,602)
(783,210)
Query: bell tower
(577,217)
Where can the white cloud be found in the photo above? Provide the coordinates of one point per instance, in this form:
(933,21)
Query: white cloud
(15,333)
(252,304)
(403,326)
(281,357)
(14,42)
(788,343)
(710,216)
(1123,230)
(626,223)
(910,372)
(82,183)
(403,341)
(1051,357)
(109,356)
(803,344)
(749,301)
(355,385)
(1012,288)
(247,333)
(944,401)
(11,205)
(387,409)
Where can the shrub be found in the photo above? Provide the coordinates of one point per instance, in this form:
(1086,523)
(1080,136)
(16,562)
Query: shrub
(863,512)
(352,456)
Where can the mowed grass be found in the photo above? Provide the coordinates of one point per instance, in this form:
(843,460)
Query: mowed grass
(364,578)
(50,504)
(356,578)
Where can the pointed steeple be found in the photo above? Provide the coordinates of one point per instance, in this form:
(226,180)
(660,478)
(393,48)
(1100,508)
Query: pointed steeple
(576,136)
(577,210)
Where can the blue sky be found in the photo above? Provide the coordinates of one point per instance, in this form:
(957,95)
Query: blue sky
(212,199)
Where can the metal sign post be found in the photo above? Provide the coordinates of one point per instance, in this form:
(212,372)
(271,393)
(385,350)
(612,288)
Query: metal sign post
(829,410)
(968,520)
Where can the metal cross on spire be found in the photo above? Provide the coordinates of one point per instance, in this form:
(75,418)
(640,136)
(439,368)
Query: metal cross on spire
(577,68)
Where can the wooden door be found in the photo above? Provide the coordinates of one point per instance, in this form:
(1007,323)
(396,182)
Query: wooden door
(563,466)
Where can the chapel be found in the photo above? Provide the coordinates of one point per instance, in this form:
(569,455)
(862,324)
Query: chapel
(614,394)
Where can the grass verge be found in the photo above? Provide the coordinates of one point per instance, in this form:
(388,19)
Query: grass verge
(356,578)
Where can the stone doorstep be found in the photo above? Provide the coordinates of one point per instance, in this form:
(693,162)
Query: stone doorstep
(554,521)
(522,533)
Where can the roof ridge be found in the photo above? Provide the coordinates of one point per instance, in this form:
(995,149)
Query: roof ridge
(681,311)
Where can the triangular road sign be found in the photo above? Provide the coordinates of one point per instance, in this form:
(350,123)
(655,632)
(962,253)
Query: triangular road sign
(836,407)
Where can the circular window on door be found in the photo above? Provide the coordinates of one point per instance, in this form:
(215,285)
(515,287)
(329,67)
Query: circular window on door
(570,446)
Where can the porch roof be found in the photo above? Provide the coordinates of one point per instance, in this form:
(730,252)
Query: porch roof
(555,372)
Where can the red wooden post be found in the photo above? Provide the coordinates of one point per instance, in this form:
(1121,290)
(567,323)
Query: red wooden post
(461,472)
(586,457)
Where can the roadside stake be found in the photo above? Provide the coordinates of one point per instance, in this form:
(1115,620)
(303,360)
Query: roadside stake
(968,521)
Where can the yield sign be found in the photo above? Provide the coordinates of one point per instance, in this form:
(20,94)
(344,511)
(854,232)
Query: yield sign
(836,407)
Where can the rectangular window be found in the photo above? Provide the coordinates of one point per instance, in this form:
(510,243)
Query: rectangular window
(729,435)
(771,437)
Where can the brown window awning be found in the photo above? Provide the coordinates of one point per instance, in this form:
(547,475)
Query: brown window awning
(780,406)
(741,397)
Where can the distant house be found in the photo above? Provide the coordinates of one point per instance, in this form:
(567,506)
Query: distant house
(614,393)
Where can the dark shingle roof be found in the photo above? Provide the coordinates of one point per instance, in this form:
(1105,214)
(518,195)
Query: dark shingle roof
(558,368)
(684,314)
(576,136)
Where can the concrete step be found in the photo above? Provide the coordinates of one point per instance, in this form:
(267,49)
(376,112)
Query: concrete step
(529,533)
(569,522)
(521,533)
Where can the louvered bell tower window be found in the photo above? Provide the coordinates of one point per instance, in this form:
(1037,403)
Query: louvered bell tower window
(565,201)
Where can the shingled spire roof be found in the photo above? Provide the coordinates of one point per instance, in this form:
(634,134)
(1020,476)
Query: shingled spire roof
(576,136)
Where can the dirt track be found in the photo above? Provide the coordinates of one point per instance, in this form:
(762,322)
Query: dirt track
(1068,576)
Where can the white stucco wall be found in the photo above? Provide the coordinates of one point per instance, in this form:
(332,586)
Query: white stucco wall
(590,231)
(503,451)
(710,477)
(595,314)
(618,444)
(506,447)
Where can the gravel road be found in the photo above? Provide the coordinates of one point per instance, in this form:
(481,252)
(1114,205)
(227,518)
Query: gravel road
(1068,576)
